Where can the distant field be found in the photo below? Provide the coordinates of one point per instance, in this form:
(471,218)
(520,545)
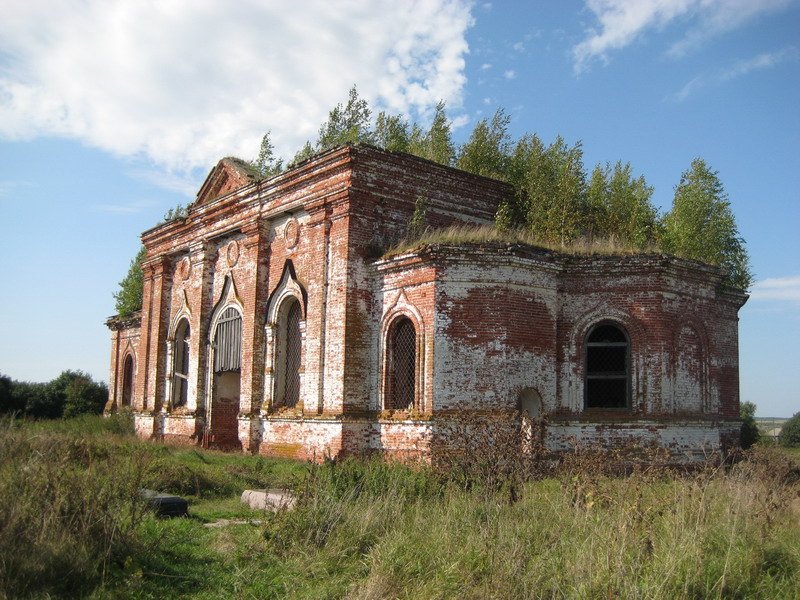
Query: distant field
(770,426)
(73,525)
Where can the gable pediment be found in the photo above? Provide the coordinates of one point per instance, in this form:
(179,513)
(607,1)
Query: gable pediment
(229,175)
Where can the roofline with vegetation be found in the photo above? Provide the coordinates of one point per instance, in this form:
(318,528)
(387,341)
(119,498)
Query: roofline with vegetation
(523,244)
(115,322)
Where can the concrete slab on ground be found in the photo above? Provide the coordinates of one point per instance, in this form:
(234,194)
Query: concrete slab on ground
(272,499)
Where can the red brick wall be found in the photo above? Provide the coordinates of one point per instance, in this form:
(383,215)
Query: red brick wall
(491,321)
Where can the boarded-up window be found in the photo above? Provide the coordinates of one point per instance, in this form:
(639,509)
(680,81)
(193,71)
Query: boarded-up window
(228,342)
(180,378)
(402,365)
(607,368)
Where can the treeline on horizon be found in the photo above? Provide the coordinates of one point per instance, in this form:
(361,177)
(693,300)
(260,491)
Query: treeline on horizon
(555,198)
(70,394)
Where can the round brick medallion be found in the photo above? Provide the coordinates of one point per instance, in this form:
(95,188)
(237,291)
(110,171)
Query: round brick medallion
(184,268)
(232,253)
(291,233)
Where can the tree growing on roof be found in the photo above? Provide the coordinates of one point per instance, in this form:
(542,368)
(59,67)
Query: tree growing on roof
(701,225)
(437,143)
(487,150)
(620,207)
(267,164)
(346,124)
(550,190)
(128,299)
(391,132)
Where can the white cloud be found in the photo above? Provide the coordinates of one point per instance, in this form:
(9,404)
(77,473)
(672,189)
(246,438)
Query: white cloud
(765,60)
(510,74)
(519,47)
(777,288)
(621,22)
(459,121)
(741,68)
(688,89)
(486,66)
(185,82)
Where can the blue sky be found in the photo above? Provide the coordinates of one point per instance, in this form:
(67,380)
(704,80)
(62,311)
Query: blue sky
(113,111)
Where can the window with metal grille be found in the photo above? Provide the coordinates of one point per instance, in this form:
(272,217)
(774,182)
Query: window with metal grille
(127,381)
(180,373)
(607,367)
(228,341)
(292,349)
(402,364)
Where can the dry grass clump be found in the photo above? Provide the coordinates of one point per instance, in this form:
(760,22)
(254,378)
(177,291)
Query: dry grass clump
(460,235)
(579,534)
(70,508)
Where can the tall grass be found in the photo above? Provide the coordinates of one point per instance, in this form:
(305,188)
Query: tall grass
(72,525)
(715,535)
(70,505)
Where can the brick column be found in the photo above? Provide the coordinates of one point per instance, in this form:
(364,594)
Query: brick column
(139,399)
(148,392)
(156,351)
(254,296)
(113,404)
(201,257)
(314,342)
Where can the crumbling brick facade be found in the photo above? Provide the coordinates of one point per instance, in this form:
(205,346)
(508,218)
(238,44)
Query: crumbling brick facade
(272,322)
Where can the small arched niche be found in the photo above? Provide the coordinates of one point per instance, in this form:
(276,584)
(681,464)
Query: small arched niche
(529,403)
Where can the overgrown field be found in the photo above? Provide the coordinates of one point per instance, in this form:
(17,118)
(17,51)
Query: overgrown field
(72,525)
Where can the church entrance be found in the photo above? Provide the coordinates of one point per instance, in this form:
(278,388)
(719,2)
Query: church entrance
(223,418)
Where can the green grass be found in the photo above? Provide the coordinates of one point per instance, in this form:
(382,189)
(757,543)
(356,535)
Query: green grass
(460,235)
(368,529)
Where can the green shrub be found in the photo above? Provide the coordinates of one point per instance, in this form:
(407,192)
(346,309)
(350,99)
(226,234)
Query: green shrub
(749,433)
(790,432)
(70,394)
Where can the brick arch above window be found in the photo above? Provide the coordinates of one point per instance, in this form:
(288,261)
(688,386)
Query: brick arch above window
(175,323)
(602,313)
(183,312)
(288,287)
(227,299)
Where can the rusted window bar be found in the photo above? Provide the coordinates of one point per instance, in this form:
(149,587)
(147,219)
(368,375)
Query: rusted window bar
(228,342)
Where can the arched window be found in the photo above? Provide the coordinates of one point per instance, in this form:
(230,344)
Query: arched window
(228,342)
(127,381)
(290,347)
(402,365)
(607,367)
(180,373)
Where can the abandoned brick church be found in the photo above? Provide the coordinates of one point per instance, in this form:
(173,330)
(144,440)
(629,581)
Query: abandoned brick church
(272,322)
